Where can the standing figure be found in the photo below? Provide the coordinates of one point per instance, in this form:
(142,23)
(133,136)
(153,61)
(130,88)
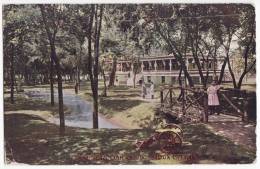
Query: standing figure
(143,89)
(152,90)
(213,101)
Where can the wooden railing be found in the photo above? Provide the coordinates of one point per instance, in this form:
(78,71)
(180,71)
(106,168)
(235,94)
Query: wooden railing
(234,102)
(235,99)
(185,99)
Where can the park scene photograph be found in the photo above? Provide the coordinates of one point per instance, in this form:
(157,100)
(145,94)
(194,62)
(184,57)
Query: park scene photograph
(110,84)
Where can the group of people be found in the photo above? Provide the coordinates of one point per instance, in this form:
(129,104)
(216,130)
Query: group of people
(212,91)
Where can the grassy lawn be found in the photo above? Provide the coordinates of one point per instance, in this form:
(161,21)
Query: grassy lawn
(34,140)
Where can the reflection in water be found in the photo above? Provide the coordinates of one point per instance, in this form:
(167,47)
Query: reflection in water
(81,110)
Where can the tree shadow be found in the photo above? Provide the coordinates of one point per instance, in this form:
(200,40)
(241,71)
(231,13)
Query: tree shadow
(242,133)
(31,143)
(22,103)
(208,145)
(35,141)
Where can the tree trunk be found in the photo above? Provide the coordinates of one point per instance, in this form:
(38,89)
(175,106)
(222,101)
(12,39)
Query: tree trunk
(79,65)
(95,108)
(191,84)
(239,84)
(113,73)
(231,73)
(104,80)
(51,38)
(246,69)
(93,73)
(180,84)
(179,77)
(78,77)
(222,71)
(98,24)
(60,92)
(227,47)
(134,78)
(90,64)
(71,76)
(12,79)
(195,57)
(51,82)
(244,74)
(26,76)
(61,112)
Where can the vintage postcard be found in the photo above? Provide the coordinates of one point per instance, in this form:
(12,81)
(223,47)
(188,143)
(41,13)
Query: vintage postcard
(129,83)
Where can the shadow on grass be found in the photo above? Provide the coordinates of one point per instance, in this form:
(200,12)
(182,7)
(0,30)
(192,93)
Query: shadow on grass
(31,143)
(211,146)
(35,141)
(22,103)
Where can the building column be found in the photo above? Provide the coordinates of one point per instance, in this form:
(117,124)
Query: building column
(142,66)
(149,65)
(121,66)
(163,61)
(155,65)
(170,65)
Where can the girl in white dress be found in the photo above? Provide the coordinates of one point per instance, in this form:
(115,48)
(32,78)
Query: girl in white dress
(213,101)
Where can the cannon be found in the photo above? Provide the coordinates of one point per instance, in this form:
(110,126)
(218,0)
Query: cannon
(168,138)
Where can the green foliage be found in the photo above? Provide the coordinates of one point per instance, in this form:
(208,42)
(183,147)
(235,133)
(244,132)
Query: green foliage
(128,31)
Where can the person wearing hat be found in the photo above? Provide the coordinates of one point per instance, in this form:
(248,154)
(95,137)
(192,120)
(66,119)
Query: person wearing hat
(213,101)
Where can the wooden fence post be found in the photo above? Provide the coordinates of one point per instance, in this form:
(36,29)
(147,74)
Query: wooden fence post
(170,97)
(161,94)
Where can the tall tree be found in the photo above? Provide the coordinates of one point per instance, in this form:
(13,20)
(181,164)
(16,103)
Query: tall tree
(247,41)
(51,16)
(167,28)
(41,42)
(238,27)
(17,28)
(77,22)
(12,73)
(93,61)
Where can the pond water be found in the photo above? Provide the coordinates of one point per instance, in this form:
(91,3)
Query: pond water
(81,110)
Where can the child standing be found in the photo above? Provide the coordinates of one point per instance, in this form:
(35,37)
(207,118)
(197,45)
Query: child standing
(213,101)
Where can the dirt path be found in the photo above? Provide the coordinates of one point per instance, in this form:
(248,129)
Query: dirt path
(239,132)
